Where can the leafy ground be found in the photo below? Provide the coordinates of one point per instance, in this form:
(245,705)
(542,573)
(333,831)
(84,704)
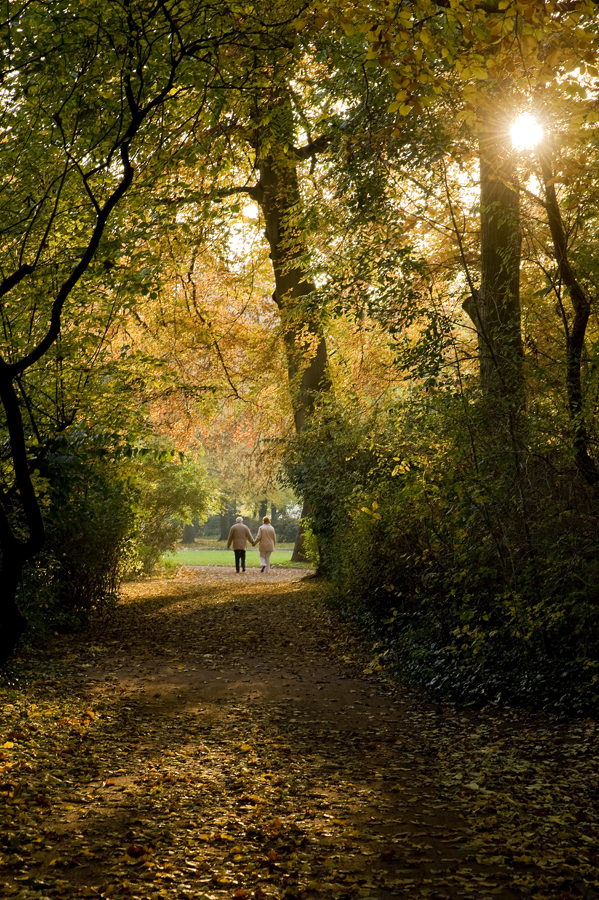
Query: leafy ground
(218,738)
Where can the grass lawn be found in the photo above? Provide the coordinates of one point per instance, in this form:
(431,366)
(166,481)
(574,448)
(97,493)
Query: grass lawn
(201,556)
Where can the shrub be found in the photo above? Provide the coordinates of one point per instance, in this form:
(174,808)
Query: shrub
(111,510)
(170,493)
(474,567)
(90,519)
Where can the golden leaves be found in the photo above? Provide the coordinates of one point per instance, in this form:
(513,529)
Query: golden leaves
(372,512)
(525,43)
(354,791)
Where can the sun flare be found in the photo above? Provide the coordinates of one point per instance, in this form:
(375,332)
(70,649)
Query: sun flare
(526,132)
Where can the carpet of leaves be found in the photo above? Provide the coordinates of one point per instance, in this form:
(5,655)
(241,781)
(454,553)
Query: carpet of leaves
(222,736)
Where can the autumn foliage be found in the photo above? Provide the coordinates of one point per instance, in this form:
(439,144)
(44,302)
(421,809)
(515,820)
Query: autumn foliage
(307,248)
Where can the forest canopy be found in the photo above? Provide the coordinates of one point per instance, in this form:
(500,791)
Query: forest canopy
(308,248)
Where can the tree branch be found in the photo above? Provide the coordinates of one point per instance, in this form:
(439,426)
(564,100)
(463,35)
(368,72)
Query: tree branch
(14,422)
(9,283)
(94,241)
(318,145)
(576,337)
(255,192)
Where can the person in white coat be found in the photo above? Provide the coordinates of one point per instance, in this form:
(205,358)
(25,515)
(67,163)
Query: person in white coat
(267,541)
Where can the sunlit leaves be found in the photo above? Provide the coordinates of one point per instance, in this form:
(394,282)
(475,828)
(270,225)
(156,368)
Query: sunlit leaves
(521,44)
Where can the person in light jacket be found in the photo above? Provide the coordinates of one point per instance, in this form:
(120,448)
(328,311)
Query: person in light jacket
(267,541)
(239,535)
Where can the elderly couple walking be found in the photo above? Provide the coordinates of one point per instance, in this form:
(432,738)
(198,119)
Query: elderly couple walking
(266,539)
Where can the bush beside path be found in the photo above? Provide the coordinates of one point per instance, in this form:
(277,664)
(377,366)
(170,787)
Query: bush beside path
(217,738)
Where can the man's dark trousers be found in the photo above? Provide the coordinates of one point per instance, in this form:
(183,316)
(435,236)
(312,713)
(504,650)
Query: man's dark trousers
(240,558)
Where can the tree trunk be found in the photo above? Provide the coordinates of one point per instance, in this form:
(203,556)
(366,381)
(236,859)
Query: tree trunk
(299,549)
(14,622)
(575,332)
(15,552)
(495,310)
(188,536)
(226,520)
(279,197)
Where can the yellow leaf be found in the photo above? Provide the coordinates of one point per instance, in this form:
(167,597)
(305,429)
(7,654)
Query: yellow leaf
(8,745)
(426,38)
(553,57)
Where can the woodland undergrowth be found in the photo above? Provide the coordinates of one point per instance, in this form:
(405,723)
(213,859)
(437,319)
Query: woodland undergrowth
(468,554)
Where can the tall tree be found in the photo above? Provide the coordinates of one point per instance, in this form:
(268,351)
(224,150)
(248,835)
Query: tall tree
(576,326)
(255,143)
(278,195)
(84,115)
(257,135)
(495,305)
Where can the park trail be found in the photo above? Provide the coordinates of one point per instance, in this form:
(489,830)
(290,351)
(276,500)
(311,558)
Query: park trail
(224,736)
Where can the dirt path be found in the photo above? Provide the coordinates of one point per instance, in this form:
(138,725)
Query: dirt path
(218,738)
